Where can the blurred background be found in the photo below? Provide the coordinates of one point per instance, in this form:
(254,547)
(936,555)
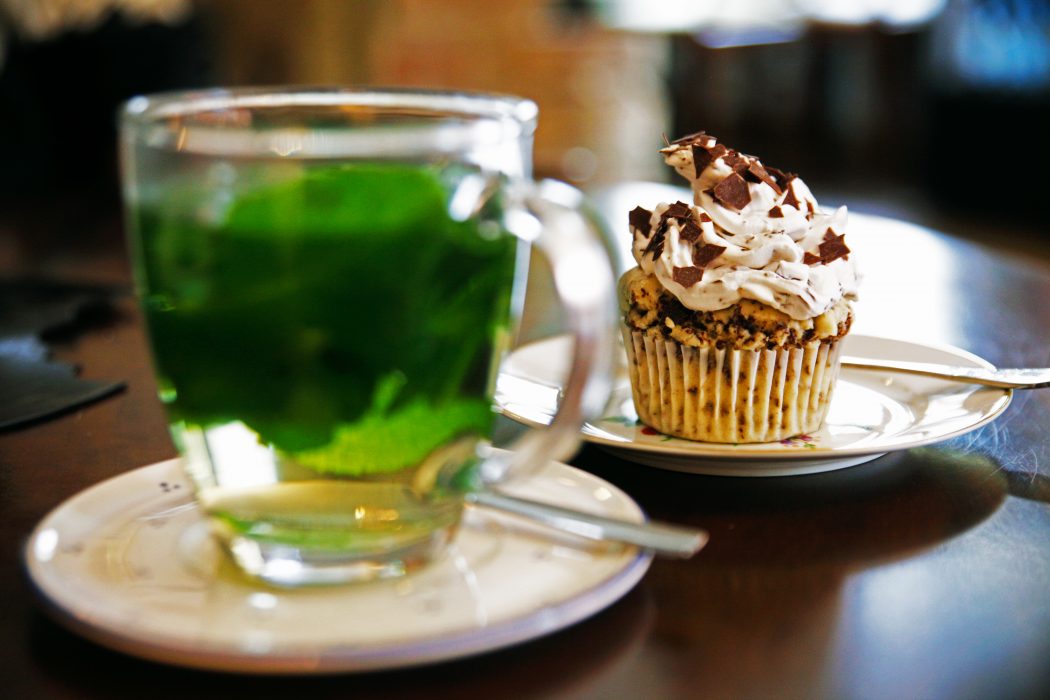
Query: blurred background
(935,111)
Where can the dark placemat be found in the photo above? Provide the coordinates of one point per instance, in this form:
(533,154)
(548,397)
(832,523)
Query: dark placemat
(33,386)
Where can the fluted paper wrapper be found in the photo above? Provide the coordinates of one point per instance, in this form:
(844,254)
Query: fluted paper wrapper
(730,396)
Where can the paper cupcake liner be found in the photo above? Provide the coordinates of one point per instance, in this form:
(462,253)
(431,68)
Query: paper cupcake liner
(730,396)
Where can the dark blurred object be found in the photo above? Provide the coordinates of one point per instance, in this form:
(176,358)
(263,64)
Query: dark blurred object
(33,386)
(59,94)
(870,109)
(989,91)
(839,105)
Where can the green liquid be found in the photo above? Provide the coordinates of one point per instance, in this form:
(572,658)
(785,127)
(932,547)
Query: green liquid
(340,315)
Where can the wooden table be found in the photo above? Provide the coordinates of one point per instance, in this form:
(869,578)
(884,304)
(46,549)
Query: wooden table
(924,574)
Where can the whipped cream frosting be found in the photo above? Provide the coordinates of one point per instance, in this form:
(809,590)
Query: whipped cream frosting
(752,232)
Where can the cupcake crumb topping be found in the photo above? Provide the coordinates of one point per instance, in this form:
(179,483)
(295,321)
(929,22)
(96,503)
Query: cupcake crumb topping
(749,325)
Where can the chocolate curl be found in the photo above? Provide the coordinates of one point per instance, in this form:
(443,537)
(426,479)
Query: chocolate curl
(656,243)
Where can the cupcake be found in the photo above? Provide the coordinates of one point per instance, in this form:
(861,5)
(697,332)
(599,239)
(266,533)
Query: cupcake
(733,317)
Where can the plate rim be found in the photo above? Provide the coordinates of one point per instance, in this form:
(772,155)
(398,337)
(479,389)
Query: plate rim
(59,604)
(723,453)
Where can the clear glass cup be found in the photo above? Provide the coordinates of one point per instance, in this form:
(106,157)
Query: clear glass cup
(329,278)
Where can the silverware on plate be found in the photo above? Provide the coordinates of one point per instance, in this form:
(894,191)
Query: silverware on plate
(662,539)
(1018,378)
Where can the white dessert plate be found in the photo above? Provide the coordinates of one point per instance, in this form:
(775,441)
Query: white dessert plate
(871,413)
(128,563)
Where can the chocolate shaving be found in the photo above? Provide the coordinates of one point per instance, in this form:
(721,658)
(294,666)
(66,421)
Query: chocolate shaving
(810,259)
(733,192)
(678,210)
(735,161)
(703,255)
(833,247)
(775,213)
(689,231)
(782,178)
(790,200)
(687,276)
(704,217)
(689,139)
(701,159)
(639,218)
(829,234)
(756,171)
(656,243)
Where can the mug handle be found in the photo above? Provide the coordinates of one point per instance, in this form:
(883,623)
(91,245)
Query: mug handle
(549,215)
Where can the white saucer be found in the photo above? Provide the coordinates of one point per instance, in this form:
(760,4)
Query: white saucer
(872,413)
(128,564)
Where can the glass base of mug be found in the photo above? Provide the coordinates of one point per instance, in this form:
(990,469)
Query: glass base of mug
(292,567)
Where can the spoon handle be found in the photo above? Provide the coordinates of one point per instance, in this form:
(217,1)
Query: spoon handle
(1021,378)
(668,540)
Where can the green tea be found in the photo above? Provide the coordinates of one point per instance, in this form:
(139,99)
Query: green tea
(340,320)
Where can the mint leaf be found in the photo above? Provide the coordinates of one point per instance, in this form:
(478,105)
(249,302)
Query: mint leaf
(381,443)
(361,198)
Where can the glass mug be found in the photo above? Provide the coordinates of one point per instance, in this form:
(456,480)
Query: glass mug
(329,278)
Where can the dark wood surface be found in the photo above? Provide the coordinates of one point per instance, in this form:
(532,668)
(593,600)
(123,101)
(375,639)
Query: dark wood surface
(924,574)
